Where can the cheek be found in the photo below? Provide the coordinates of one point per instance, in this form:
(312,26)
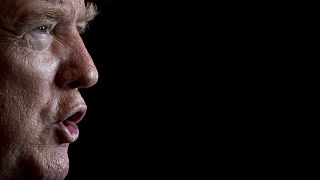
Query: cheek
(26,90)
(32,71)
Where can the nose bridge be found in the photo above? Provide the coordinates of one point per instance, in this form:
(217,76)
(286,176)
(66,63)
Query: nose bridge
(79,70)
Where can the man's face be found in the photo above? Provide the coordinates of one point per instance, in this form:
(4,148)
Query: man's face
(43,62)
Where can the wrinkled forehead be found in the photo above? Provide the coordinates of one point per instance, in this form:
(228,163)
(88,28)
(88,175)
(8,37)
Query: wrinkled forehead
(53,2)
(70,7)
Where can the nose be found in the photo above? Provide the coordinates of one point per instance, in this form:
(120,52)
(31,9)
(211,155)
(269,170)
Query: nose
(77,69)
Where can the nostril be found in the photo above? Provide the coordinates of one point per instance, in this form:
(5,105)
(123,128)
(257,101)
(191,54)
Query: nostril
(73,74)
(84,81)
(74,84)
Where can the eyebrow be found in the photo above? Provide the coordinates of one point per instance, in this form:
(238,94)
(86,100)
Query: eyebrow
(91,11)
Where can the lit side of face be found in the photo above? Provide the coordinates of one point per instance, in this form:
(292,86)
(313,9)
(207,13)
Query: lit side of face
(43,63)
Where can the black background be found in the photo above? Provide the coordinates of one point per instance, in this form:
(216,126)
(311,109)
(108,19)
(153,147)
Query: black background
(181,84)
(134,125)
(185,90)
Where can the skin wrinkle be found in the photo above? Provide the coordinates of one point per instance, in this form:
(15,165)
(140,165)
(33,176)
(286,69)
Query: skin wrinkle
(37,85)
(47,14)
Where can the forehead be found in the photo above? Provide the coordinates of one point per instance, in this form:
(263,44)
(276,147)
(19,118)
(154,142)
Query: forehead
(71,7)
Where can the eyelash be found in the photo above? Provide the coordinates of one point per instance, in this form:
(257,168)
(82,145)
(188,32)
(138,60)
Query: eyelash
(44,30)
(81,30)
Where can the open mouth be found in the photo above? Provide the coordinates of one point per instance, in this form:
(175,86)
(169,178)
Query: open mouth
(67,129)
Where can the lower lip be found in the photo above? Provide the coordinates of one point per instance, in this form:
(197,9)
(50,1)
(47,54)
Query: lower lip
(68,131)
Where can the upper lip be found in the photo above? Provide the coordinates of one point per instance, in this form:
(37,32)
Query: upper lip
(75,114)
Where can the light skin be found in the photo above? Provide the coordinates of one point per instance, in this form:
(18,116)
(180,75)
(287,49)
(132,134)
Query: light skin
(43,64)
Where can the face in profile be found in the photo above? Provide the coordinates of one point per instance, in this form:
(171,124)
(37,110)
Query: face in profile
(43,64)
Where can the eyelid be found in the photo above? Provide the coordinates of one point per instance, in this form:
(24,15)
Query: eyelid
(32,24)
(81,30)
(41,31)
(82,27)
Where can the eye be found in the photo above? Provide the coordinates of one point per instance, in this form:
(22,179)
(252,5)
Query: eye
(41,32)
(43,29)
(40,37)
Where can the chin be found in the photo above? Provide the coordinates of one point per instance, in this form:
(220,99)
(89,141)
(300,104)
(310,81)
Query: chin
(47,164)
(45,174)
